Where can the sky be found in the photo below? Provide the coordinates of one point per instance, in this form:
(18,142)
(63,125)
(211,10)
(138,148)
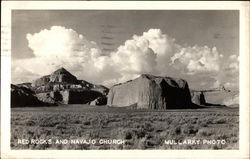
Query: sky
(113,46)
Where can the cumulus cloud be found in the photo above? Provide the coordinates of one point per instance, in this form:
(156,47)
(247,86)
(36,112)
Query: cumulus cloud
(210,68)
(197,59)
(142,54)
(164,47)
(152,52)
(60,41)
(135,56)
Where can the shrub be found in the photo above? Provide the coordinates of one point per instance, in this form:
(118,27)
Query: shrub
(86,123)
(204,132)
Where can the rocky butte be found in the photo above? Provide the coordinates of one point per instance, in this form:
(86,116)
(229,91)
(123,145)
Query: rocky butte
(151,92)
(60,87)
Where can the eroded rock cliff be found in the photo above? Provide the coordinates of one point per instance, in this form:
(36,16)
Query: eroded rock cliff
(151,92)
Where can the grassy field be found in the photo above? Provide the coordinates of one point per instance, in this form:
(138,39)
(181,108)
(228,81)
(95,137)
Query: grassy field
(56,127)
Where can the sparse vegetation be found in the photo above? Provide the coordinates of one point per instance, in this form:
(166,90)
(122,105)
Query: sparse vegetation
(141,129)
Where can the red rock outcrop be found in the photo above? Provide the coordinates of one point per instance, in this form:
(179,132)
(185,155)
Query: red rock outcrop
(151,92)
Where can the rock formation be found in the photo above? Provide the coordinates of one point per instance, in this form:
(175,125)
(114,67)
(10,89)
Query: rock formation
(62,75)
(198,97)
(26,85)
(47,97)
(24,97)
(100,88)
(61,80)
(61,87)
(69,96)
(144,92)
(221,98)
(99,101)
(215,97)
(59,76)
(41,81)
(151,92)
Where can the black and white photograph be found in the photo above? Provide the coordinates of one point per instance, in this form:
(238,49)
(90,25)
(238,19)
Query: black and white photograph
(130,79)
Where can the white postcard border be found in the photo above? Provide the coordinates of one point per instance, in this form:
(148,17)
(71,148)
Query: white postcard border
(7,6)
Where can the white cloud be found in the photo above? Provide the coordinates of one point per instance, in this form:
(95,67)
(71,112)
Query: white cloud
(138,55)
(135,56)
(197,59)
(152,52)
(159,42)
(60,41)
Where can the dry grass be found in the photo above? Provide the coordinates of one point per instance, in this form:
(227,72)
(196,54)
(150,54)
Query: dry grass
(141,129)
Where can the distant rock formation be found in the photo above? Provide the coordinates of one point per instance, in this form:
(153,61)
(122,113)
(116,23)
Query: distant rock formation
(59,76)
(151,92)
(215,97)
(24,97)
(222,97)
(61,87)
